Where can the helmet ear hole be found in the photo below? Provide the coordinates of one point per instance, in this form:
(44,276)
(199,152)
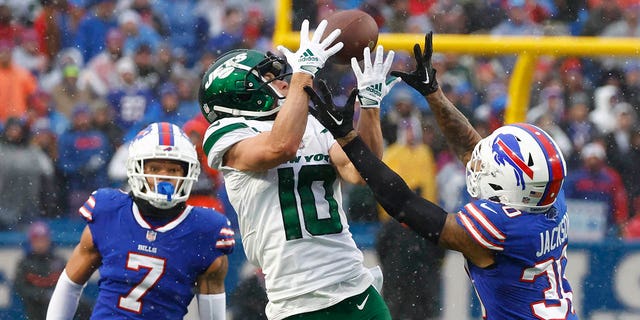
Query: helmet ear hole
(495,187)
(244,96)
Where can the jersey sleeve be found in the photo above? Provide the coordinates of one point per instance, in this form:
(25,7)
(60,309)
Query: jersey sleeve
(225,241)
(99,212)
(222,135)
(484,222)
(101,202)
(218,238)
(86,211)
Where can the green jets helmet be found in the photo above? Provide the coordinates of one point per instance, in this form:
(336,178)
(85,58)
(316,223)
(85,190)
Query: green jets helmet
(235,86)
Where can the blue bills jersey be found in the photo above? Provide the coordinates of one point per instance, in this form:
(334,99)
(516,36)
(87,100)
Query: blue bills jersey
(527,280)
(150,272)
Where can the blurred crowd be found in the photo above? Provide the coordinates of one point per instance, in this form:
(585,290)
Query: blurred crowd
(80,78)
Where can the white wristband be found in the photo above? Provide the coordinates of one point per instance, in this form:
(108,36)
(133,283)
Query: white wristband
(65,298)
(212,306)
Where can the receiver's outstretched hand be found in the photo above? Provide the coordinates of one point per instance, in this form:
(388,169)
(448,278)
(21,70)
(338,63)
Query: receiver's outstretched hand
(312,54)
(372,81)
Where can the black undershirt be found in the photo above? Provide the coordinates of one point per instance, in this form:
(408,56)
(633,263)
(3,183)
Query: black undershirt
(155,216)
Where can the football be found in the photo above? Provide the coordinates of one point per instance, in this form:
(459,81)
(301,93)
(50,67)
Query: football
(359,30)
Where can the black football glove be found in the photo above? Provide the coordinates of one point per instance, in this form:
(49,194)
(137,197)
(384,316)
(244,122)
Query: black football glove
(338,122)
(423,78)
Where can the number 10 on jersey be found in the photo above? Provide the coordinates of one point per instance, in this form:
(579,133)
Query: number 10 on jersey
(321,174)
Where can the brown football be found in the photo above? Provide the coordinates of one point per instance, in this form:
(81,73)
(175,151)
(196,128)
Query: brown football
(359,30)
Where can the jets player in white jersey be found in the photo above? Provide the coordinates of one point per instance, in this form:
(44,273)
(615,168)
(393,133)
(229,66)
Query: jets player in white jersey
(283,170)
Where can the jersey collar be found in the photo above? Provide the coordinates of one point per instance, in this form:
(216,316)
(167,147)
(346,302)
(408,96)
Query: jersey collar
(169,226)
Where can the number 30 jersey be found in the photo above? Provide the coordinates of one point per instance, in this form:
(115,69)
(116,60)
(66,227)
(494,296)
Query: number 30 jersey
(147,272)
(291,220)
(527,280)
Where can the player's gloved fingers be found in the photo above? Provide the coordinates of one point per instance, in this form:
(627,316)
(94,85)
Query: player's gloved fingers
(388,62)
(313,96)
(330,38)
(356,68)
(336,47)
(418,55)
(348,107)
(317,34)
(366,52)
(428,47)
(326,93)
(284,51)
(304,31)
(432,77)
(403,75)
(379,57)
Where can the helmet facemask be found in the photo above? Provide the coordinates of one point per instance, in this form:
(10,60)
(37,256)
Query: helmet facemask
(162,141)
(156,189)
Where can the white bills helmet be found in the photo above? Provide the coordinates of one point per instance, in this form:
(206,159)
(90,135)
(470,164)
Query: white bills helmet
(162,140)
(518,165)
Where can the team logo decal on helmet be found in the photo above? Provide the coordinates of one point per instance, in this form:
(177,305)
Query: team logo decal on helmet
(518,165)
(555,164)
(239,84)
(225,69)
(506,150)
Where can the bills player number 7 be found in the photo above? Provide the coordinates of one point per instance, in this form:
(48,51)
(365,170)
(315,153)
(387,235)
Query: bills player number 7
(133,300)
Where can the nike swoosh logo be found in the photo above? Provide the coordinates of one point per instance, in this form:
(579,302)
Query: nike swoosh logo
(427,80)
(338,122)
(486,206)
(361,306)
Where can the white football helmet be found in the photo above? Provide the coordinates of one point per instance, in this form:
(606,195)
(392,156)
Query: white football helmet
(162,140)
(518,165)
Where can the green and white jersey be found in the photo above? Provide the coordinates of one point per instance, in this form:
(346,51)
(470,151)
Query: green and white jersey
(291,220)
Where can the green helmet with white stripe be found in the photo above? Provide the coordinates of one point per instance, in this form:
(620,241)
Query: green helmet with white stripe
(235,86)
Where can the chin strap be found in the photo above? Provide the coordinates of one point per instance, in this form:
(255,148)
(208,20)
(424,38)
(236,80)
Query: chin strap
(247,113)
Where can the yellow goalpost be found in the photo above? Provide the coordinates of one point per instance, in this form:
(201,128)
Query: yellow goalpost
(527,49)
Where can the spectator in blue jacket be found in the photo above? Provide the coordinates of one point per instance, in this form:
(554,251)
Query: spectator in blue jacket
(92,30)
(83,156)
(188,29)
(131,99)
(137,33)
(600,184)
(165,110)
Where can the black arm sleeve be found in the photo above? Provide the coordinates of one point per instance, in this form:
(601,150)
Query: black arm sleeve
(393,194)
